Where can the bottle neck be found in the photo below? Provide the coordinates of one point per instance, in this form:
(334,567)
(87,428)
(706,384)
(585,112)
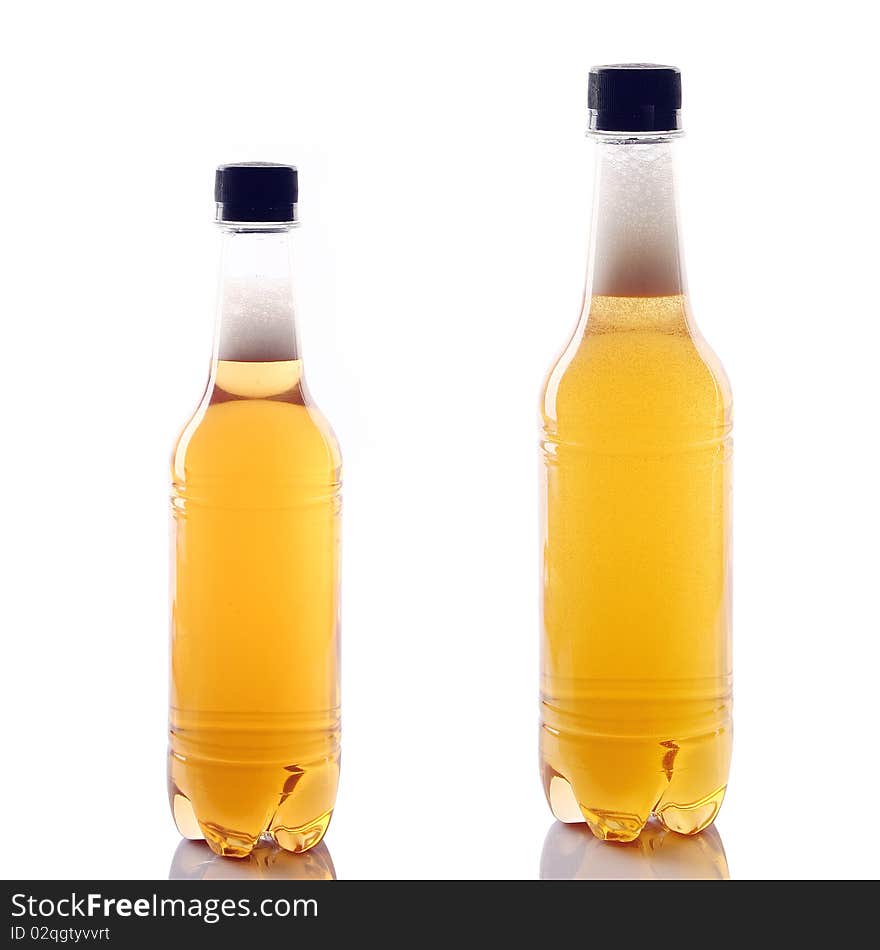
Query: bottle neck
(256,312)
(635,249)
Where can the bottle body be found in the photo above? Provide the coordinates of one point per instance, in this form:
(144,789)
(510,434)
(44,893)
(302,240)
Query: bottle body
(636,452)
(254,707)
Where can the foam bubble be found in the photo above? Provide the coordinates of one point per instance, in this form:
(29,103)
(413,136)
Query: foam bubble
(257,320)
(635,223)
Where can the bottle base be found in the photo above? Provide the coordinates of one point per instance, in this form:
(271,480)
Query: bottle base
(684,818)
(230,843)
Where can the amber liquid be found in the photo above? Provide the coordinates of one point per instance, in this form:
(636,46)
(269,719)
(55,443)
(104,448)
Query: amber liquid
(636,664)
(254,718)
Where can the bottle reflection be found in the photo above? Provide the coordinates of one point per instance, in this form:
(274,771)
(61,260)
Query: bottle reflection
(572,853)
(194,861)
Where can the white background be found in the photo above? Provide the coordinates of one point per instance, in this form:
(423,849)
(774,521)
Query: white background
(445,190)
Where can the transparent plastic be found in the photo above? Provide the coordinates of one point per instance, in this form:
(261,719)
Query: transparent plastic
(636,451)
(254,708)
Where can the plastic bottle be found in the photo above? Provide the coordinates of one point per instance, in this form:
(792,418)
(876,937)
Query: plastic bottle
(636,450)
(254,717)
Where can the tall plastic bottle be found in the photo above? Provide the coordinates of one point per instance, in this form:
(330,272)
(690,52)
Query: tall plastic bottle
(636,451)
(254,708)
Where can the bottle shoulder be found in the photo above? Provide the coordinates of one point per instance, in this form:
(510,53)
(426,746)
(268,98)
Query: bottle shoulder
(715,369)
(248,439)
(637,376)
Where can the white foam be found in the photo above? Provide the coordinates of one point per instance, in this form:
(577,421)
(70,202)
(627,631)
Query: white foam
(256,320)
(635,241)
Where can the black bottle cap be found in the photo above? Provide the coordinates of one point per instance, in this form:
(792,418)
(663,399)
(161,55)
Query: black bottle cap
(634,97)
(256,191)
